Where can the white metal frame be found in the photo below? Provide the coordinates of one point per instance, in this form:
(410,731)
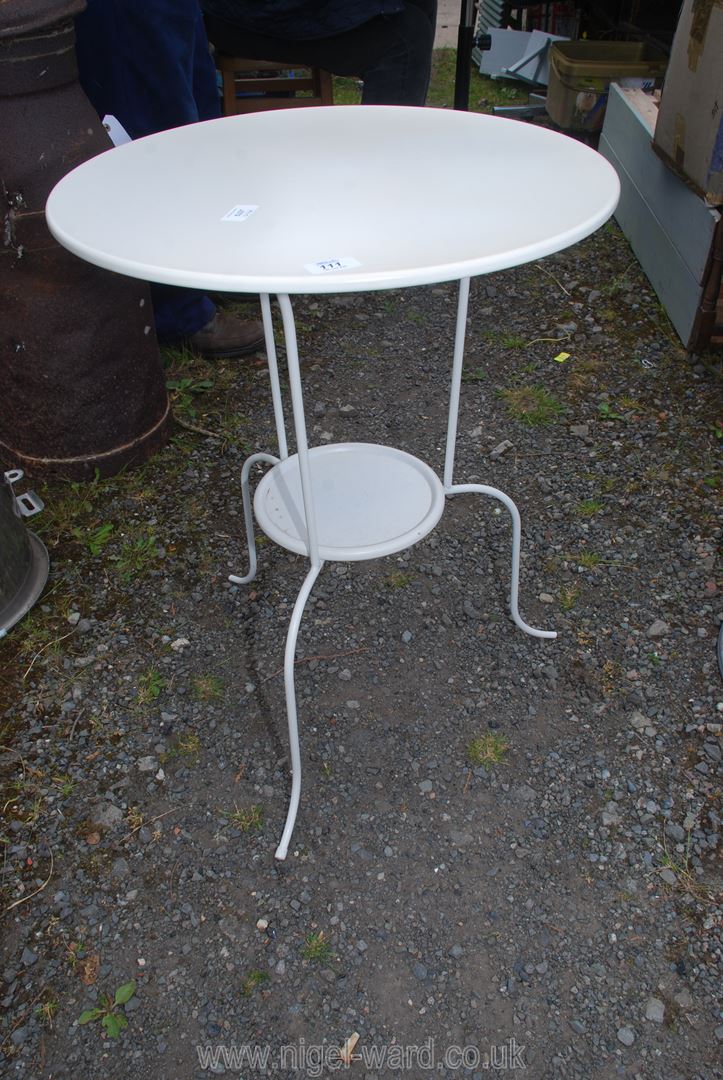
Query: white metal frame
(312,537)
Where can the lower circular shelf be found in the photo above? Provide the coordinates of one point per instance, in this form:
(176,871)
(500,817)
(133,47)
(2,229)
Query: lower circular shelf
(369,501)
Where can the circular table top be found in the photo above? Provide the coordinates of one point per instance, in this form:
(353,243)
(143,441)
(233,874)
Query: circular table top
(338,199)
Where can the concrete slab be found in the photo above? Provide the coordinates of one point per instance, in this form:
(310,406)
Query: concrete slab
(447,24)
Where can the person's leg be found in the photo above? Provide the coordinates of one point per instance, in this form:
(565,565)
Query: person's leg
(147,62)
(205,85)
(138,60)
(429,8)
(391,53)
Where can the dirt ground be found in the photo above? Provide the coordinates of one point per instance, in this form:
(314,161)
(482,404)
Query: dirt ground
(505,854)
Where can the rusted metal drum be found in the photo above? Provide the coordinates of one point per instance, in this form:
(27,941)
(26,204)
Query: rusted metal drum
(81,382)
(23,557)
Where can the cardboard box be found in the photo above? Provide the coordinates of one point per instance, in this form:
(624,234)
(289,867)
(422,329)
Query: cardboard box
(689,132)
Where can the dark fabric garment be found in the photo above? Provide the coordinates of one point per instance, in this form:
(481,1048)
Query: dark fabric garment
(392,54)
(300,19)
(147,62)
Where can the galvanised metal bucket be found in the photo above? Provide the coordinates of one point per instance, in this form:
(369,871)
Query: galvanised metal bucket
(23,558)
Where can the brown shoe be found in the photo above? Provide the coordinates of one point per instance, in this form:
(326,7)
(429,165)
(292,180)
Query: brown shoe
(228,336)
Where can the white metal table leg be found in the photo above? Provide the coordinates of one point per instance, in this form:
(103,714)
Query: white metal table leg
(289,688)
(451,488)
(495,493)
(274,375)
(248,516)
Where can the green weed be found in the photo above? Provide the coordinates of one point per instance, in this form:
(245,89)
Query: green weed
(246,819)
(317,949)
(110,1012)
(150,686)
(46,1012)
(137,555)
(588,560)
(207,687)
(253,981)
(606,412)
(532,405)
(589,507)
(568,597)
(487,750)
(184,393)
(398,580)
(96,539)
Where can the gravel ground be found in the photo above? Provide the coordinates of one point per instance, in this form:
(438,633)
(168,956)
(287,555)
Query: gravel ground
(505,852)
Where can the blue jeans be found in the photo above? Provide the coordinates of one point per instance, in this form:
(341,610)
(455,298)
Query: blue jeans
(147,62)
(391,53)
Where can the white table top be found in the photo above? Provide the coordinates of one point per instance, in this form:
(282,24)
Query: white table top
(399,196)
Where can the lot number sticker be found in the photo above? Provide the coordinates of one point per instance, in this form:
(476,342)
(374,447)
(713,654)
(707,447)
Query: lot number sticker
(239,213)
(328,266)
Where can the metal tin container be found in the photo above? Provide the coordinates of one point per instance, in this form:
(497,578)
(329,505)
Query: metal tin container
(81,380)
(24,560)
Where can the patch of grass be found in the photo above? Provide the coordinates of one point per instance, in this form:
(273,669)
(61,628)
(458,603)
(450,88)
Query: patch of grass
(187,745)
(317,948)
(184,393)
(94,539)
(137,555)
(627,402)
(68,506)
(568,597)
(589,507)
(150,685)
(532,405)
(201,392)
(40,633)
(207,687)
(347,91)
(398,580)
(512,341)
(687,879)
(610,677)
(65,785)
(484,93)
(47,1011)
(245,819)
(487,750)
(478,375)
(606,412)
(588,560)
(253,981)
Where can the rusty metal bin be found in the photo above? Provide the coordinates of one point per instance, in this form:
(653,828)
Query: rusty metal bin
(81,381)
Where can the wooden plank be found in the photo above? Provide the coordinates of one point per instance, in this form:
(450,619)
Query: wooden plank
(645,105)
(679,212)
(676,286)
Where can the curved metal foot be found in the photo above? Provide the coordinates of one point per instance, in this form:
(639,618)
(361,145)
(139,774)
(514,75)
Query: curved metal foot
(248,516)
(495,493)
(289,656)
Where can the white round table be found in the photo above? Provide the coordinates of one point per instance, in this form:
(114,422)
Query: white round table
(331,200)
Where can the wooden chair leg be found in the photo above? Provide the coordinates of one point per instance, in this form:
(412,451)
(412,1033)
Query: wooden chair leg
(326,87)
(228,83)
